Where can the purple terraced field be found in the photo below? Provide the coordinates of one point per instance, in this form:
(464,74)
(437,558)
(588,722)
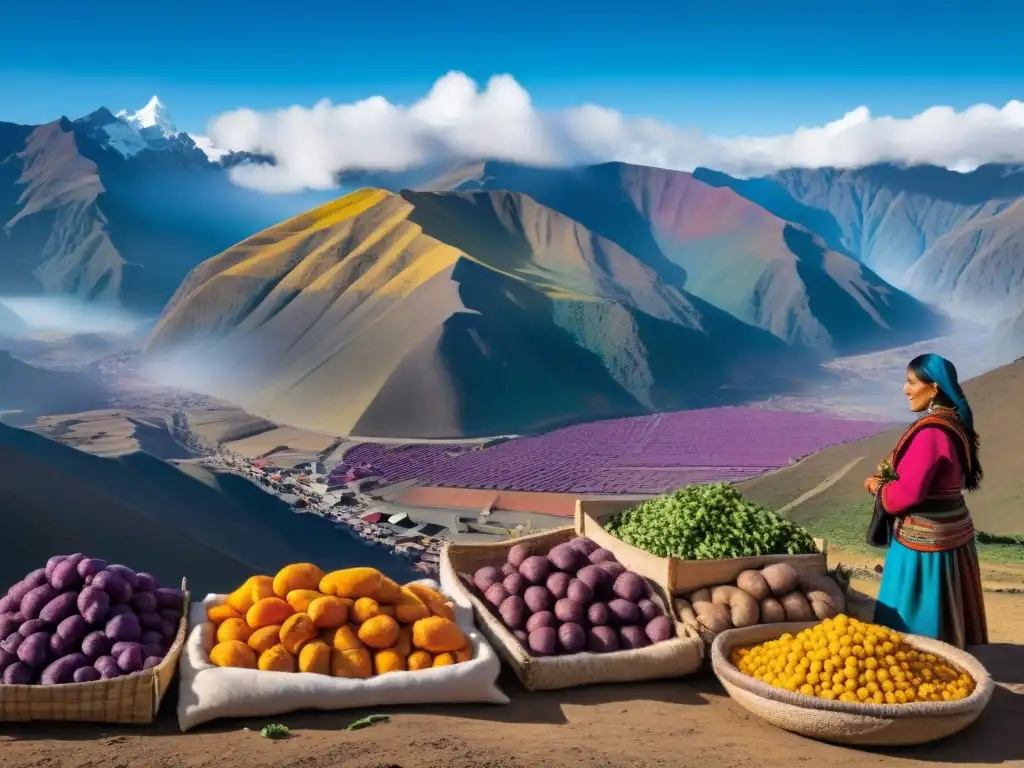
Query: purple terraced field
(645,454)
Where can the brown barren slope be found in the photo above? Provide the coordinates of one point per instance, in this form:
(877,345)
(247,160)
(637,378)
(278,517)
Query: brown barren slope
(446,315)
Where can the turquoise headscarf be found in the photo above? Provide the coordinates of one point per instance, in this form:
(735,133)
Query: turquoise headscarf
(942,373)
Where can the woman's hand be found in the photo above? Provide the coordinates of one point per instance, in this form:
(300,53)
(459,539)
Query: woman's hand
(872,483)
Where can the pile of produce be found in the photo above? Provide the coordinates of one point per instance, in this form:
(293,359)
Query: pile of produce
(773,594)
(575,598)
(352,623)
(78,620)
(709,522)
(847,660)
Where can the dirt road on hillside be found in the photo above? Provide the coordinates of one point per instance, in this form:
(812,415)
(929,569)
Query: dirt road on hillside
(671,724)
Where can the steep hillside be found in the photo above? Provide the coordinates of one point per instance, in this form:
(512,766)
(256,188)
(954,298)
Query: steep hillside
(110,210)
(843,509)
(11,323)
(444,315)
(38,390)
(763,268)
(214,529)
(955,239)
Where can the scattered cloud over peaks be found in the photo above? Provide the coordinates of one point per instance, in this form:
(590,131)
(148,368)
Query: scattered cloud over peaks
(458,120)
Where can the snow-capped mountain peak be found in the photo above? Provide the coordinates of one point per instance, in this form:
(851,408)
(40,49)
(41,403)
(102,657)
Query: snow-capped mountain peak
(152,116)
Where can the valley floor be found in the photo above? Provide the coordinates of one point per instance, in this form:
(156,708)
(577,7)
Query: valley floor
(670,724)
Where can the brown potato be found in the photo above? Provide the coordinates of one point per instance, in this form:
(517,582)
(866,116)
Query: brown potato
(713,617)
(754,584)
(781,577)
(820,587)
(743,609)
(772,611)
(796,606)
(702,595)
(823,610)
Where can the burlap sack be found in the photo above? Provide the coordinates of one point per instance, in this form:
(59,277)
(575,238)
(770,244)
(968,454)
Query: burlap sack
(848,723)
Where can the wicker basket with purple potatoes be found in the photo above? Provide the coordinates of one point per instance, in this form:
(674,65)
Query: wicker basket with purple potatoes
(563,597)
(79,620)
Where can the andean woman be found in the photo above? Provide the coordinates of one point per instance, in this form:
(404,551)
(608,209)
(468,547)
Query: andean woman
(931,584)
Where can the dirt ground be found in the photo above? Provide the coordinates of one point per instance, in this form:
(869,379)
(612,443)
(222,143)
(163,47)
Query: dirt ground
(669,724)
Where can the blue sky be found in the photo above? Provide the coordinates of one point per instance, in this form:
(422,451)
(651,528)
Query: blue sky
(725,67)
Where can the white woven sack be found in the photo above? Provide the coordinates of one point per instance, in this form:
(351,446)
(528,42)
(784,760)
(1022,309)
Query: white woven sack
(207,692)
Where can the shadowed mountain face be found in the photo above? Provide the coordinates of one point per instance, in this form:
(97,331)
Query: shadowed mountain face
(768,266)
(80,214)
(38,390)
(450,315)
(953,239)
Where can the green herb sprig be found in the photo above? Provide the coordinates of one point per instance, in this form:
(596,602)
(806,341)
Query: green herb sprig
(367,721)
(275,731)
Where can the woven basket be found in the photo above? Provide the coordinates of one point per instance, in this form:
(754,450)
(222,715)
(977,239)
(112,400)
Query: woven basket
(681,576)
(848,723)
(132,699)
(672,658)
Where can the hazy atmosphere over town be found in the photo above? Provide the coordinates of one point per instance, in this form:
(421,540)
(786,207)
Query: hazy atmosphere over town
(554,385)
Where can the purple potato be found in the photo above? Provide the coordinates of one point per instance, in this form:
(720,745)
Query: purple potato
(89,579)
(52,563)
(107,667)
(111,582)
(602,555)
(566,558)
(567,610)
(152,638)
(486,576)
(61,646)
(580,592)
(153,649)
(90,567)
(172,615)
(518,554)
(544,641)
(35,651)
(537,599)
(658,629)
(144,602)
(507,569)
(602,640)
(32,626)
(513,612)
(598,615)
(6,659)
(623,611)
(168,630)
(612,567)
(119,610)
(127,574)
(65,576)
(147,582)
(119,647)
(85,675)
(596,578)
(10,623)
(649,609)
(63,669)
(496,594)
(632,637)
(35,600)
(123,627)
(8,604)
(130,659)
(515,584)
(35,579)
(558,584)
(19,673)
(169,598)
(536,569)
(630,586)
(60,607)
(572,637)
(521,636)
(542,619)
(93,604)
(153,621)
(12,642)
(18,591)
(583,544)
(152,661)
(73,628)
(95,644)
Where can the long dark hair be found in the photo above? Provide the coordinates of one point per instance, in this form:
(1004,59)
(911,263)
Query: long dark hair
(933,369)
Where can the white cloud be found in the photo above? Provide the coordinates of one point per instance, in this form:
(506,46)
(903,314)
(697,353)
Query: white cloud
(458,120)
(206,144)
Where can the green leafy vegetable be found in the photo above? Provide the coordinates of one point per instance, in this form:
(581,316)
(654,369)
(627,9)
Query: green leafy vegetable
(367,721)
(275,731)
(887,473)
(709,522)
